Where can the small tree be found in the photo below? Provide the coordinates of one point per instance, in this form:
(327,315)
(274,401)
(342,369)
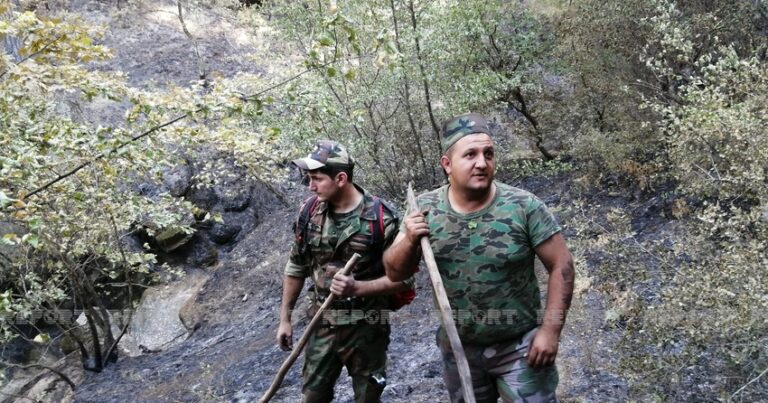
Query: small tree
(709,318)
(69,187)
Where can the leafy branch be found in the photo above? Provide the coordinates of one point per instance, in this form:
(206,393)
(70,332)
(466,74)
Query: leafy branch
(33,55)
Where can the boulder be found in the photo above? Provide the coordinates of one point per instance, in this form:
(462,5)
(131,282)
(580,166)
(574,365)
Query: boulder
(170,239)
(178,180)
(238,202)
(223,233)
(203,254)
(204,197)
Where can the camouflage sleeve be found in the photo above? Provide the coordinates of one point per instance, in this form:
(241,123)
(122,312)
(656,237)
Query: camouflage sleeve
(540,222)
(298,264)
(391,224)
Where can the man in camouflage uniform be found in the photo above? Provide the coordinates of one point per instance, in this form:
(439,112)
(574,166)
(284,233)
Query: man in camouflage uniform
(355,331)
(485,235)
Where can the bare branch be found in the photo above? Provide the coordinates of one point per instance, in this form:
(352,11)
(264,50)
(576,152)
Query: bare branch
(424,79)
(201,70)
(748,383)
(64,377)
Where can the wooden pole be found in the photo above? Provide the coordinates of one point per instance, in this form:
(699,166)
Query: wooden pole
(305,337)
(445,309)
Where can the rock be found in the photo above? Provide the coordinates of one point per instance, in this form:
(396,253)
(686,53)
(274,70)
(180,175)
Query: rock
(132,242)
(239,202)
(203,254)
(147,189)
(171,238)
(223,233)
(398,390)
(178,181)
(156,324)
(204,197)
(234,196)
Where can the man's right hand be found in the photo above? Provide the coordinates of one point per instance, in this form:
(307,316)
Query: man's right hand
(285,336)
(416,227)
(401,259)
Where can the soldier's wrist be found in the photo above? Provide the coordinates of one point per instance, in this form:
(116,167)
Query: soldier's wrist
(414,243)
(355,289)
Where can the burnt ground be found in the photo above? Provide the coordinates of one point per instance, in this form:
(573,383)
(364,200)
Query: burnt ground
(232,355)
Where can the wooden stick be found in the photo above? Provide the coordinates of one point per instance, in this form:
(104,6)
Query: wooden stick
(445,309)
(305,337)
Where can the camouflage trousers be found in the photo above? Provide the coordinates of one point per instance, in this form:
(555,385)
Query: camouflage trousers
(499,370)
(362,348)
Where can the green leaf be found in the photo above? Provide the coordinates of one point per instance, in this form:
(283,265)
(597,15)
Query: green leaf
(326,39)
(331,72)
(351,33)
(31,239)
(34,224)
(5,200)
(273,133)
(7,240)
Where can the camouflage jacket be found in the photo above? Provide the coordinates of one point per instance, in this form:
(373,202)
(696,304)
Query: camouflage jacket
(330,245)
(486,261)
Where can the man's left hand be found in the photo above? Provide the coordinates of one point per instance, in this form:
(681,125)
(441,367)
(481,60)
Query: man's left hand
(343,286)
(543,349)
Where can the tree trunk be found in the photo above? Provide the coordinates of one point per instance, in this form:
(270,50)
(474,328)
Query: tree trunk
(12,44)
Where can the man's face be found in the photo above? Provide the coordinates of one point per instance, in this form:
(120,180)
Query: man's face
(471,163)
(325,187)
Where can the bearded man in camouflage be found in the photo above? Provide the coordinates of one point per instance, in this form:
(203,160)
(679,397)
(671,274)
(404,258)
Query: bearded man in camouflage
(485,235)
(341,219)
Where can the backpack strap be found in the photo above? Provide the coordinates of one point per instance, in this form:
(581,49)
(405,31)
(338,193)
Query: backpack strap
(377,231)
(300,230)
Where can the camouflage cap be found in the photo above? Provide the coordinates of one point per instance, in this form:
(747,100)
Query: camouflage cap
(326,152)
(460,126)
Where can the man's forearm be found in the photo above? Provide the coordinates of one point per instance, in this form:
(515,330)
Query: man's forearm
(379,286)
(291,290)
(401,260)
(559,295)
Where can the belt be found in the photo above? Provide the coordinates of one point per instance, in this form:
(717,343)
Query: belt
(343,303)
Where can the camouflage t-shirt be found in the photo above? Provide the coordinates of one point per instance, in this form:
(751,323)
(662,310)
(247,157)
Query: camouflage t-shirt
(486,261)
(335,224)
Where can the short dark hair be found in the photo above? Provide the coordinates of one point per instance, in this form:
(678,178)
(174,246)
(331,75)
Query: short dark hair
(333,170)
(330,170)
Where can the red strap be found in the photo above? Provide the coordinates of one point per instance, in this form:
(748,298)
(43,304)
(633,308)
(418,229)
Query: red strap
(314,205)
(381,219)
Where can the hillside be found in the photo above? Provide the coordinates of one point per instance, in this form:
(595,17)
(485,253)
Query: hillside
(645,322)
